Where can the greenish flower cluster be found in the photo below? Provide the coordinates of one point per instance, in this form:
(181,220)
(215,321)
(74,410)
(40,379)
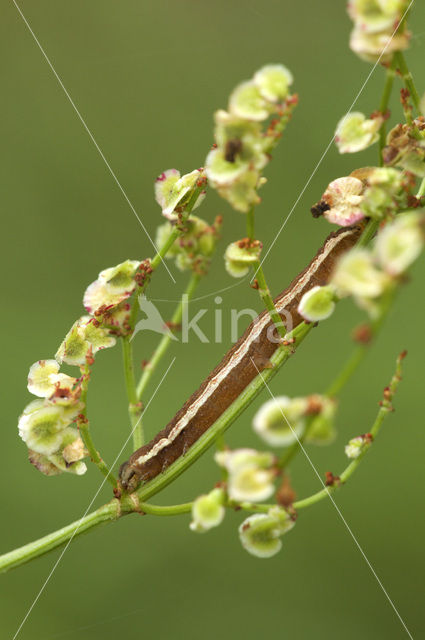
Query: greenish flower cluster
(193,249)
(367,274)
(47,424)
(374,36)
(243,145)
(405,147)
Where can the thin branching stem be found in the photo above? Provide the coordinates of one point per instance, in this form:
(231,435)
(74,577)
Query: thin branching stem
(408,79)
(165,341)
(84,429)
(134,407)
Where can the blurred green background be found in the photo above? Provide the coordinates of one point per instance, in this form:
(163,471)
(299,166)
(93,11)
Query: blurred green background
(147,77)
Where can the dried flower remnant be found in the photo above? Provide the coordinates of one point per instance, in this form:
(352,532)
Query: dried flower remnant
(405,147)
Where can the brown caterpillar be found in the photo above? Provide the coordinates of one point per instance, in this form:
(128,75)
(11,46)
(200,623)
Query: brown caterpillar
(241,364)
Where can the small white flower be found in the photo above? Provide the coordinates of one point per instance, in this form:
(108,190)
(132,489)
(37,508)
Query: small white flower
(344,197)
(260,533)
(356,446)
(208,511)
(221,171)
(42,428)
(239,258)
(113,286)
(356,275)
(173,190)
(381,46)
(355,132)
(241,458)
(399,243)
(372,16)
(247,102)
(85,338)
(44,378)
(317,304)
(280,421)
(273,82)
(251,477)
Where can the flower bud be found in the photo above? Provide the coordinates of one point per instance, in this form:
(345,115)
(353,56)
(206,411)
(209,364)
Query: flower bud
(240,256)
(400,242)
(208,511)
(355,132)
(260,533)
(281,421)
(317,304)
(322,427)
(356,446)
(343,197)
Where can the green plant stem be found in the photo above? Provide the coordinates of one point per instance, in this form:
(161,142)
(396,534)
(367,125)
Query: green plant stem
(263,288)
(165,341)
(84,429)
(408,79)
(108,512)
(353,361)
(172,510)
(384,410)
(128,504)
(361,350)
(163,250)
(134,407)
(281,355)
(383,107)
(421,191)
(291,451)
(250,224)
(155,262)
